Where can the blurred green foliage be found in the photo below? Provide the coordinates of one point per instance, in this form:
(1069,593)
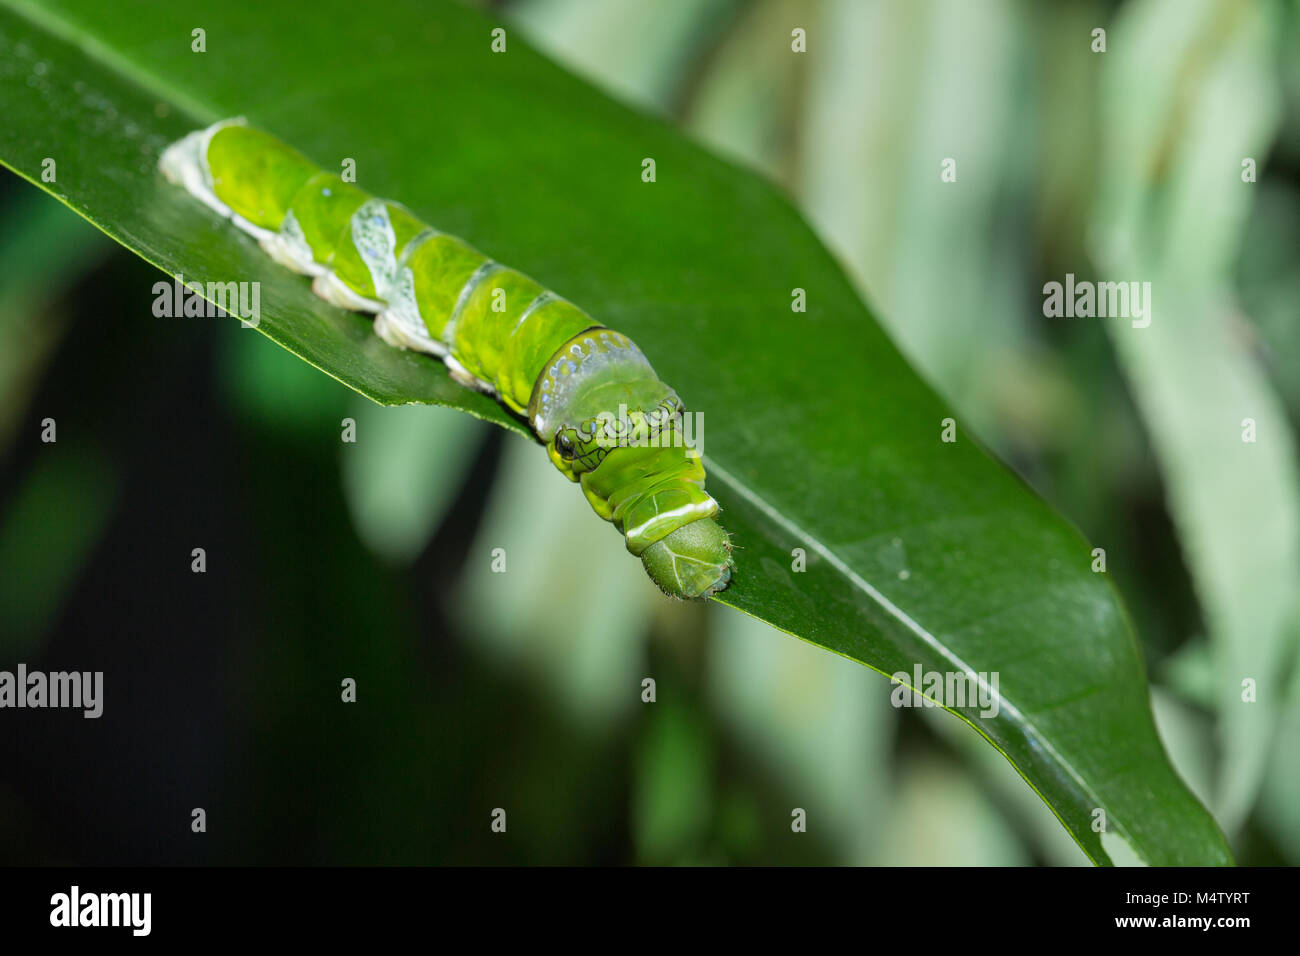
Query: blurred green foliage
(477,696)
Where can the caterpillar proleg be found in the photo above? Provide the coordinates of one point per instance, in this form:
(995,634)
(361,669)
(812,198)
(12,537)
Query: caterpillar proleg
(588,392)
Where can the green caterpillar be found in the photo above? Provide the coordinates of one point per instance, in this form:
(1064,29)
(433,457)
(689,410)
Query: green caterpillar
(584,388)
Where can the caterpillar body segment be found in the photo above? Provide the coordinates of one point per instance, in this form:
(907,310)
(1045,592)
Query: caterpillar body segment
(496,329)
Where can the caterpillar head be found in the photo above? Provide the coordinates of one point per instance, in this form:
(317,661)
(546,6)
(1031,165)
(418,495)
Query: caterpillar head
(595,390)
(577,449)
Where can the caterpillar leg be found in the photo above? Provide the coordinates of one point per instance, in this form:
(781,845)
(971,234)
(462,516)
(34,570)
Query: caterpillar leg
(395,332)
(462,376)
(289,248)
(329,288)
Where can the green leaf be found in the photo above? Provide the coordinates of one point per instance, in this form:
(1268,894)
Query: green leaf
(819,436)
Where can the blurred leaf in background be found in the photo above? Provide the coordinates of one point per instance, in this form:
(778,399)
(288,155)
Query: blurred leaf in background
(1190,99)
(44,250)
(576,610)
(402,472)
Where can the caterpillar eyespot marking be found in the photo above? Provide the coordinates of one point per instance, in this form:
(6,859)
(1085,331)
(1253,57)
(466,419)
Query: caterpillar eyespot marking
(496,330)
